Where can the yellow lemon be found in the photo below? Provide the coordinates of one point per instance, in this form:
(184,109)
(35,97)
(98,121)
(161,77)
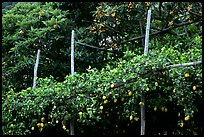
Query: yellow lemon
(174,91)
(57,121)
(115,100)
(141,103)
(147,89)
(131,117)
(165,109)
(181,125)
(156,83)
(186,75)
(32,128)
(101,107)
(187,118)
(42,119)
(136,118)
(112,85)
(41,124)
(194,87)
(171,12)
(105,101)
(155,108)
(129,93)
(104,97)
(80,113)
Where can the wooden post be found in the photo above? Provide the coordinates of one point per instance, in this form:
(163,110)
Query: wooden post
(72,53)
(72,73)
(36,69)
(142,92)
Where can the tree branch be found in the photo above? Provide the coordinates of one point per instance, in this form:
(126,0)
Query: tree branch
(152,73)
(162,31)
(104,49)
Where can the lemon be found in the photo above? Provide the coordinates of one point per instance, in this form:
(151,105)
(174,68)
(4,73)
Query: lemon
(136,118)
(57,121)
(104,97)
(181,125)
(171,12)
(54,107)
(129,93)
(155,108)
(80,113)
(101,107)
(165,109)
(147,89)
(64,127)
(187,118)
(141,103)
(112,85)
(105,101)
(115,100)
(156,83)
(131,117)
(194,87)
(41,124)
(174,91)
(42,119)
(32,128)
(186,75)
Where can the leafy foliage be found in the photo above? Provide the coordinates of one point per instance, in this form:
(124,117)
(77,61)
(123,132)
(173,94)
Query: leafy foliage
(95,97)
(107,94)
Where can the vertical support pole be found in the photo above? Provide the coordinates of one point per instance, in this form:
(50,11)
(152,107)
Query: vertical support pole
(142,92)
(147,32)
(72,53)
(36,69)
(72,73)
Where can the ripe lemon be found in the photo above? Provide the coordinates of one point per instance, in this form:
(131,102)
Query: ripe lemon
(186,75)
(181,125)
(147,89)
(131,117)
(57,121)
(115,100)
(194,87)
(101,107)
(136,118)
(80,113)
(104,97)
(187,118)
(42,119)
(32,128)
(129,93)
(174,91)
(141,103)
(112,85)
(156,83)
(155,108)
(105,101)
